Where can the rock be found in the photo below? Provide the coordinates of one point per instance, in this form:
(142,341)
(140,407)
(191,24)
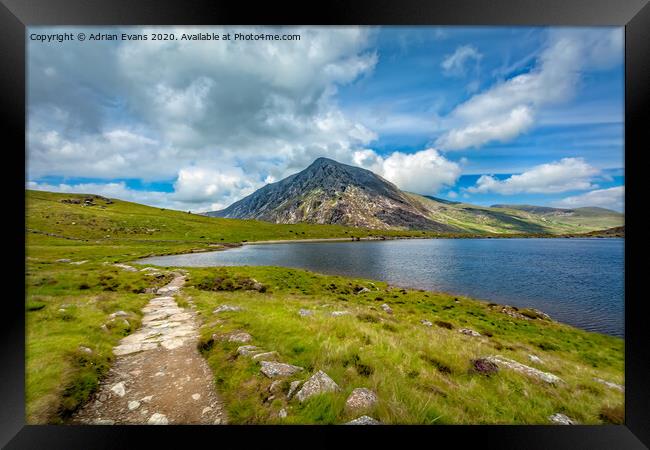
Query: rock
(196,396)
(103,397)
(512,312)
(293,387)
(526,370)
(118,314)
(240,337)
(484,366)
(224,308)
(277,369)
(364,420)
(78,263)
(218,421)
(561,419)
(133,405)
(319,383)
(158,419)
(85,350)
(541,314)
(387,308)
(207,409)
(282,413)
(535,359)
(609,384)
(469,332)
(126,267)
(118,389)
(63,260)
(361,399)
(275,387)
(147,399)
(426,323)
(266,356)
(339,313)
(305,312)
(104,327)
(246,350)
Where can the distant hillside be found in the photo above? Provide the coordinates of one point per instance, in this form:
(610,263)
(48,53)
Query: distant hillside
(328,192)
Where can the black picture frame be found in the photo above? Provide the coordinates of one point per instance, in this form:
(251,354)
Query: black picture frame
(16,15)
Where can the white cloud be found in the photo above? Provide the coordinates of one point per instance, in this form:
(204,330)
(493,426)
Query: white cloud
(611,198)
(554,80)
(423,172)
(149,109)
(455,64)
(568,174)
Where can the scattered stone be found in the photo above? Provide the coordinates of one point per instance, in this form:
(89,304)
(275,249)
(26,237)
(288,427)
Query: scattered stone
(526,370)
(293,387)
(85,350)
(387,308)
(361,399)
(147,399)
(609,384)
(426,323)
(541,314)
(133,405)
(78,263)
(267,356)
(207,409)
(196,396)
(275,386)
(63,260)
(218,421)
(469,332)
(363,290)
(158,419)
(282,413)
(118,389)
(277,369)
(484,366)
(240,337)
(247,350)
(118,314)
(561,419)
(340,313)
(364,420)
(103,398)
(305,312)
(224,308)
(512,312)
(535,359)
(319,383)
(126,267)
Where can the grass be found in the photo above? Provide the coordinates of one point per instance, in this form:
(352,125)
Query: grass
(421,374)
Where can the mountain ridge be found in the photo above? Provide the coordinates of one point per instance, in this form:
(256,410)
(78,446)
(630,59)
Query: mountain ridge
(330,192)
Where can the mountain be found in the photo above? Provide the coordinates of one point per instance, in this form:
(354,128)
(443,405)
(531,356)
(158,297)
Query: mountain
(328,192)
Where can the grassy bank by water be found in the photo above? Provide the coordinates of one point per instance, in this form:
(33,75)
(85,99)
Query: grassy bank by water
(421,374)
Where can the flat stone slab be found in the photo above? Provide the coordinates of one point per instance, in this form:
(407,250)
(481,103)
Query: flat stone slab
(361,399)
(364,420)
(274,369)
(319,383)
(524,369)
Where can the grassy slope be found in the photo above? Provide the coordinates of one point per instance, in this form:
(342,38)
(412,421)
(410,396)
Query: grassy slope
(60,376)
(480,219)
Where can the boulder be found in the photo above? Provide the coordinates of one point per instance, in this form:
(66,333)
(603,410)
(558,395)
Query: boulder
(469,332)
(561,419)
(526,370)
(274,369)
(266,356)
(387,308)
(364,420)
(361,399)
(319,383)
(224,308)
(240,337)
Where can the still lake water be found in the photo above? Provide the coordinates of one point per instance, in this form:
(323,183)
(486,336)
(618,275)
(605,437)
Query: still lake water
(576,281)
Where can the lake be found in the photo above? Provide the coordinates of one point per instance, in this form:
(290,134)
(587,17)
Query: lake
(575,281)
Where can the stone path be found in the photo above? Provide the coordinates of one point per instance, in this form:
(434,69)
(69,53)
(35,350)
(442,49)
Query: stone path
(158,377)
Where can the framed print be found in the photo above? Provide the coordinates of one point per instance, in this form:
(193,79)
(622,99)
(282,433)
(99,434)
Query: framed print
(275,223)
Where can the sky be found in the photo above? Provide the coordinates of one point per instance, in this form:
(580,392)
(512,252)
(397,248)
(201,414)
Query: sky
(482,115)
